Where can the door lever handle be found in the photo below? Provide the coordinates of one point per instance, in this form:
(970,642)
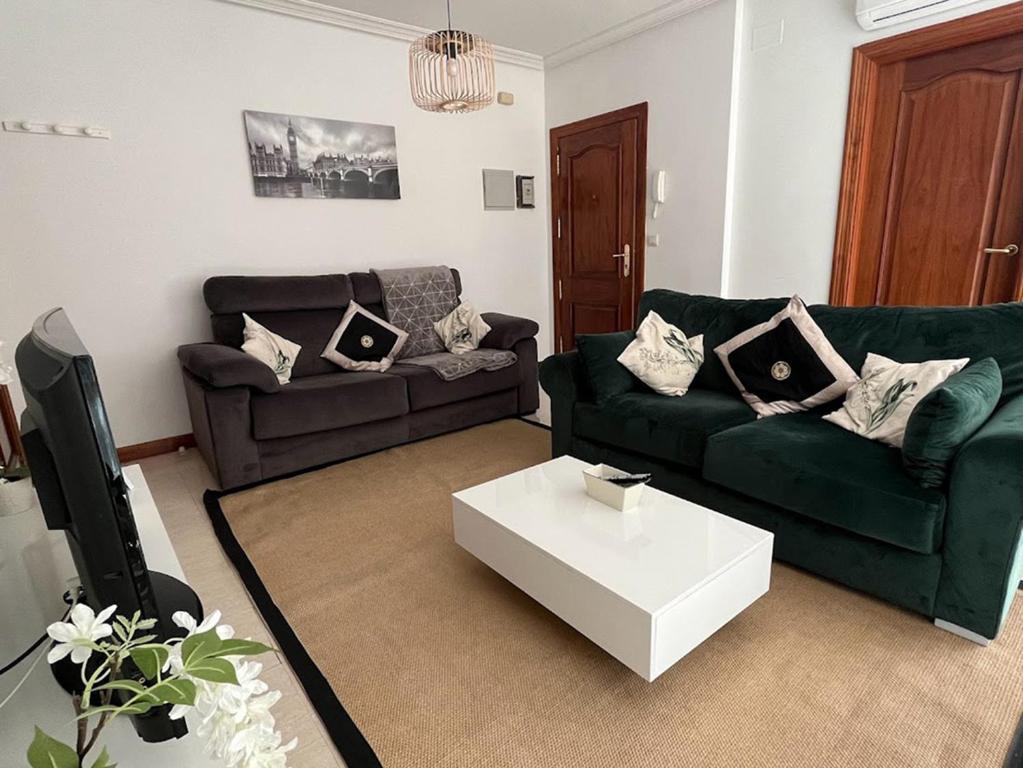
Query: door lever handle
(1009,250)
(627,256)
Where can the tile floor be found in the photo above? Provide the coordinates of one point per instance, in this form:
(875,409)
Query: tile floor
(178,481)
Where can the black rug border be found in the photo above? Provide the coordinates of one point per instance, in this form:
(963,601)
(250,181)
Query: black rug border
(343,731)
(351,743)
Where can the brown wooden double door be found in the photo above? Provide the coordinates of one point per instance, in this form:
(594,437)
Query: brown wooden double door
(941,217)
(598,173)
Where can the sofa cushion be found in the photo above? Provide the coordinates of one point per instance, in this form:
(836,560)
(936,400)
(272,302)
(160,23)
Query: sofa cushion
(908,334)
(717,319)
(804,464)
(328,401)
(311,329)
(426,389)
(916,334)
(232,295)
(946,418)
(673,429)
(600,352)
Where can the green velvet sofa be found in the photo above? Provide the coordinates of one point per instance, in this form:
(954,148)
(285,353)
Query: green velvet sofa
(839,505)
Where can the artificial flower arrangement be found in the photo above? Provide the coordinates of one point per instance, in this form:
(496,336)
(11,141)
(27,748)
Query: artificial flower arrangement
(206,672)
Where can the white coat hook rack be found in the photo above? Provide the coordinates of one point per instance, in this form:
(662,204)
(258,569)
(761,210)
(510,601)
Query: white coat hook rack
(57,129)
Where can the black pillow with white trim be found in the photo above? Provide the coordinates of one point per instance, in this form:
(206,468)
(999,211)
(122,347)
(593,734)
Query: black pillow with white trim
(786,364)
(364,342)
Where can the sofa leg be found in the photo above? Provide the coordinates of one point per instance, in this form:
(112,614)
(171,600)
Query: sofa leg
(955,629)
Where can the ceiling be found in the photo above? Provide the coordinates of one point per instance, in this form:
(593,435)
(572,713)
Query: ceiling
(542,27)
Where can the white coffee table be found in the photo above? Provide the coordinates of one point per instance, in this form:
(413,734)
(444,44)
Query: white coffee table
(647,585)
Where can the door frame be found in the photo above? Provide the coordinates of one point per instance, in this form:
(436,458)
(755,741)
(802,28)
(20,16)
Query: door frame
(639,113)
(868,61)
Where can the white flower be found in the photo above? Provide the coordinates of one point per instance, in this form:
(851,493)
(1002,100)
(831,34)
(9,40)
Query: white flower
(234,720)
(78,637)
(187,622)
(217,729)
(258,746)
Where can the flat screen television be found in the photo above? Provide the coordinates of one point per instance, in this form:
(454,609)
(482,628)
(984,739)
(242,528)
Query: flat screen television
(77,475)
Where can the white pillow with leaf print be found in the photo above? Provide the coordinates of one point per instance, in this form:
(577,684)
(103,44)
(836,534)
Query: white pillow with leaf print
(879,405)
(265,345)
(662,357)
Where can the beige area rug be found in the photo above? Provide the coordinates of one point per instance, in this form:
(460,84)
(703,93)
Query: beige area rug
(440,662)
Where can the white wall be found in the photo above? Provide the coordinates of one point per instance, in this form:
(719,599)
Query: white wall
(684,70)
(123,232)
(792,111)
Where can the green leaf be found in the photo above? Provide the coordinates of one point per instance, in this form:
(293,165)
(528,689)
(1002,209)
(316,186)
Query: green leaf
(200,646)
(147,624)
(121,634)
(103,761)
(213,670)
(132,686)
(138,708)
(173,692)
(150,659)
(46,752)
(234,647)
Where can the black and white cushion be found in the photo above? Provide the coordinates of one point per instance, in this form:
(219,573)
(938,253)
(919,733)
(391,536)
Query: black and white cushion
(787,364)
(265,345)
(878,407)
(462,329)
(363,341)
(662,357)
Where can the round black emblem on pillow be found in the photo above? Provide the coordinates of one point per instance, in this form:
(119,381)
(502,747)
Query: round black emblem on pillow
(781,371)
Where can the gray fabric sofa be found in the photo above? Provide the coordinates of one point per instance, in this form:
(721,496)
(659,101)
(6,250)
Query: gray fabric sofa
(249,427)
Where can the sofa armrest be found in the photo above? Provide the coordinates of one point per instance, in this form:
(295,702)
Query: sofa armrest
(507,330)
(981,554)
(221,366)
(563,378)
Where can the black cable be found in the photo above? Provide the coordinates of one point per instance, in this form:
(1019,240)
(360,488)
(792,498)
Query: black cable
(28,652)
(70,599)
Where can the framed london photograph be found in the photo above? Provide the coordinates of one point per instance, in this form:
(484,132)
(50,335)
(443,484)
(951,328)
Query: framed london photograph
(295,156)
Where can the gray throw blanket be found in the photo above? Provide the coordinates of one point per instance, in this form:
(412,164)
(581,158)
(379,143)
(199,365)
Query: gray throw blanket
(450,366)
(415,299)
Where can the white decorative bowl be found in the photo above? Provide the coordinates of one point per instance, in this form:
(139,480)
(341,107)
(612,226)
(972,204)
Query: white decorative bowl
(622,498)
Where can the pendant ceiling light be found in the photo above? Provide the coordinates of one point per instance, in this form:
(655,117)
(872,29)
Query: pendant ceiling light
(451,71)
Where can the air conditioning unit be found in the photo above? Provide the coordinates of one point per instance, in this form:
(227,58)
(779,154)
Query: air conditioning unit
(874,14)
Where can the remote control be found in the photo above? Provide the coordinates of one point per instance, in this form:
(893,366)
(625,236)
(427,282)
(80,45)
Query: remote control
(630,479)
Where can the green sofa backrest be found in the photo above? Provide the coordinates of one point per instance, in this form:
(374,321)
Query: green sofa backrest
(905,334)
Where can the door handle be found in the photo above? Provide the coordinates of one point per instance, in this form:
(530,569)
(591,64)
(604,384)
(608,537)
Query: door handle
(627,256)
(1009,250)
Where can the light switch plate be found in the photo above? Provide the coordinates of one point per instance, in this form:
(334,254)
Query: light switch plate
(498,190)
(653,241)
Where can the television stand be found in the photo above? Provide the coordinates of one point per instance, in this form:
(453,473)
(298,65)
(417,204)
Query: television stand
(40,571)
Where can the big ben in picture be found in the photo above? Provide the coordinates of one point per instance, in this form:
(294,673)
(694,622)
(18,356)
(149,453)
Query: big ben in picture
(292,151)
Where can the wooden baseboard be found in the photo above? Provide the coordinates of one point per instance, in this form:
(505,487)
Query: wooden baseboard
(155,447)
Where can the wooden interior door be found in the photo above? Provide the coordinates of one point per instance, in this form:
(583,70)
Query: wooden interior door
(932,197)
(598,179)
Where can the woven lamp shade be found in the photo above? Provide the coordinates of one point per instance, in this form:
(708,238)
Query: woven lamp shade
(451,71)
